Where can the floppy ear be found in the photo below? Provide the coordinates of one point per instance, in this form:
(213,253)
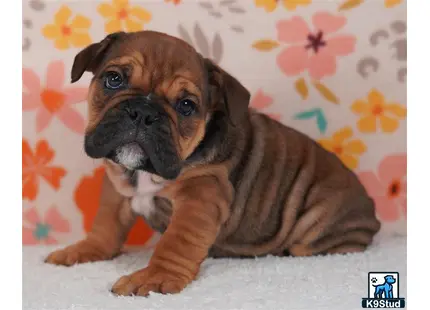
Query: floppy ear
(230,95)
(89,58)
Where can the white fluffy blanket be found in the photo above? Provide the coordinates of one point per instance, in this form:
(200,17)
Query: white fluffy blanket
(270,283)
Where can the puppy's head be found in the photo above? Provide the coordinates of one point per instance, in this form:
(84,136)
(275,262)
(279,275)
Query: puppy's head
(152,99)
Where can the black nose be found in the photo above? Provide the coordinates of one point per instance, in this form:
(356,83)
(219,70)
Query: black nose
(141,115)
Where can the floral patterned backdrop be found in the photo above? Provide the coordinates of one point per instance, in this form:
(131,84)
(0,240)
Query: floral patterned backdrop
(335,70)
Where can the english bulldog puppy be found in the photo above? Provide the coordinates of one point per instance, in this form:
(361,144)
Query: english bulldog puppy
(183,150)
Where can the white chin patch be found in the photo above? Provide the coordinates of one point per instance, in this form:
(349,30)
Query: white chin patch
(129,155)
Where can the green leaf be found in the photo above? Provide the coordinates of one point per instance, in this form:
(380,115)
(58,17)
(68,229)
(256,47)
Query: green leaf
(306,114)
(317,114)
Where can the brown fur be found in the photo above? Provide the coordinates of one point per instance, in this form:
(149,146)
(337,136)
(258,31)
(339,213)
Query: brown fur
(263,188)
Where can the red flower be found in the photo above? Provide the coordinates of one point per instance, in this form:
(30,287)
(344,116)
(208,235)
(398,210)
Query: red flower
(314,50)
(37,230)
(53,99)
(261,101)
(388,187)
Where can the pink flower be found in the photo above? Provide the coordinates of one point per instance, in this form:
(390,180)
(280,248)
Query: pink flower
(52,99)
(313,50)
(35,230)
(261,101)
(388,187)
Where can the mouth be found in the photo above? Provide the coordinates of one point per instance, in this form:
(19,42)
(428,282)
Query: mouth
(133,157)
(130,155)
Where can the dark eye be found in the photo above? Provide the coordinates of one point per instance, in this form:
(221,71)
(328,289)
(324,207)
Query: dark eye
(186,107)
(113,80)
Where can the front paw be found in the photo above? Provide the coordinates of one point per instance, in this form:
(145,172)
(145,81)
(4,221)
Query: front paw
(81,252)
(149,279)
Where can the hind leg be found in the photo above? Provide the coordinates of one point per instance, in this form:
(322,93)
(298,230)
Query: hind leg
(345,249)
(347,229)
(348,242)
(377,293)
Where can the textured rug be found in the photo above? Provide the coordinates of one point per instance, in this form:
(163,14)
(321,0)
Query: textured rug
(270,283)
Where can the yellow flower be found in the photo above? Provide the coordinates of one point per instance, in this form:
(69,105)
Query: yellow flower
(270,5)
(391,3)
(347,151)
(121,16)
(65,33)
(293,4)
(376,109)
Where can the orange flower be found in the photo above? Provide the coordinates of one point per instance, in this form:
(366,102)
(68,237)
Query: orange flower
(87,198)
(271,5)
(392,3)
(176,2)
(376,110)
(35,165)
(346,149)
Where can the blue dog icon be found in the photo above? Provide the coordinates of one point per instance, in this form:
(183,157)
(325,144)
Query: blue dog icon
(386,288)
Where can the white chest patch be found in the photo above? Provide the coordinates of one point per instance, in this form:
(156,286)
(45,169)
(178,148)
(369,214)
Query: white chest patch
(142,202)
